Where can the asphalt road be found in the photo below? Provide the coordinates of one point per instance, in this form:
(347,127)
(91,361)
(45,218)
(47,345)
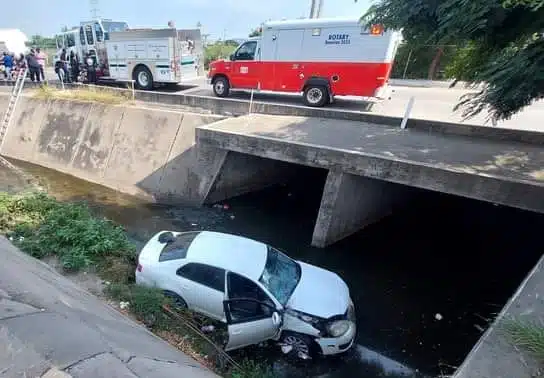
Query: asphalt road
(430,103)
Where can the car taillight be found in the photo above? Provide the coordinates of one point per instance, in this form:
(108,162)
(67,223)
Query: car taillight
(139,267)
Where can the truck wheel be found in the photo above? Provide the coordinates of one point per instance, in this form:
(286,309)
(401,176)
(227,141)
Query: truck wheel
(221,87)
(143,78)
(316,96)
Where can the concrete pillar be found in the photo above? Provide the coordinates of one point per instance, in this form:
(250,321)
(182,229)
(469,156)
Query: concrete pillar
(352,202)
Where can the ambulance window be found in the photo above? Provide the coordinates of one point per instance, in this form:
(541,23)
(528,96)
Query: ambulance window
(316,32)
(247,51)
(82,36)
(99,32)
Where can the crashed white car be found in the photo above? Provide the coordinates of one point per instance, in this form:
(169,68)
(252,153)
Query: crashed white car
(259,292)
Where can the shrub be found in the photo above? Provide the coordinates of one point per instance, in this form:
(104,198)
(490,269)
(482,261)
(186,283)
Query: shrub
(252,369)
(42,226)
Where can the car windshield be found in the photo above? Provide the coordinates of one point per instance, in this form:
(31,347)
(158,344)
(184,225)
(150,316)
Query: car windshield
(281,275)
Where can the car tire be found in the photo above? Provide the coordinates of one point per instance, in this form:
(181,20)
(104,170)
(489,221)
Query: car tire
(300,343)
(177,300)
(221,87)
(316,96)
(143,78)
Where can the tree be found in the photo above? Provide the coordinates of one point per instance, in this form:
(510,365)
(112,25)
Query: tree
(502,45)
(42,42)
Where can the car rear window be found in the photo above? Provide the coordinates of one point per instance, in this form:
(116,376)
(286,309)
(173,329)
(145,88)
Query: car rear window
(177,249)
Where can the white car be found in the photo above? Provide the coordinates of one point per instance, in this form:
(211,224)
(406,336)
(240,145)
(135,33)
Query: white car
(259,292)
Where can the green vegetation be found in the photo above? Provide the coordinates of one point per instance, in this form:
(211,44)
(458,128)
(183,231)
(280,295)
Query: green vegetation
(106,96)
(526,336)
(502,45)
(218,50)
(82,240)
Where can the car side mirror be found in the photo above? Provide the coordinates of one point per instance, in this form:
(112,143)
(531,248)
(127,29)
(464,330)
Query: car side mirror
(276,318)
(232,57)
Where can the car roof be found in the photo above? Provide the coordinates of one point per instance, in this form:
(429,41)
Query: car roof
(230,252)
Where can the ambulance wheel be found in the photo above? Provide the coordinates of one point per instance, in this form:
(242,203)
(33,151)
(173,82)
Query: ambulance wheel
(316,96)
(221,87)
(143,78)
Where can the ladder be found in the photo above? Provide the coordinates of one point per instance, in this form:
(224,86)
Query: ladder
(8,115)
(15,93)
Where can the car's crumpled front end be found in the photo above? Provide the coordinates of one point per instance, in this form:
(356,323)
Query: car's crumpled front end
(321,308)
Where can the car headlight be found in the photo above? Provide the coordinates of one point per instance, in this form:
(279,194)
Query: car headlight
(338,328)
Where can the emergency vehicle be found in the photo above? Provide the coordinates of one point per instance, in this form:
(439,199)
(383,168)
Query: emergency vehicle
(147,56)
(320,58)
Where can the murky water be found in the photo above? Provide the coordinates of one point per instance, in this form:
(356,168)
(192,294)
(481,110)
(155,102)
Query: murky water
(425,281)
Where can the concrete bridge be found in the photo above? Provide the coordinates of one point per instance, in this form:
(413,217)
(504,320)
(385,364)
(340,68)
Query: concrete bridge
(371,167)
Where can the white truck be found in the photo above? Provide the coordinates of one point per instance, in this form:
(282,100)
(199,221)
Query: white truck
(145,56)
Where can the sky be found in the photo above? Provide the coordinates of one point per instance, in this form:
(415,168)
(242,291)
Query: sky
(219,18)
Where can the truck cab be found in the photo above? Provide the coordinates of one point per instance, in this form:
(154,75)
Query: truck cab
(242,69)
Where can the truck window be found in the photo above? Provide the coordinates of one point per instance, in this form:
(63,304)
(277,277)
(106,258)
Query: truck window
(246,51)
(89,34)
(70,40)
(82,36)
(98,31)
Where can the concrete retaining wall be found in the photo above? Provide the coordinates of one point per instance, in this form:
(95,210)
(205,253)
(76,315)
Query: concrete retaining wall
(140,151)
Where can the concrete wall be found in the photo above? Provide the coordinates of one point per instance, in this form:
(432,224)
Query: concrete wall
(141,151)
(351,202)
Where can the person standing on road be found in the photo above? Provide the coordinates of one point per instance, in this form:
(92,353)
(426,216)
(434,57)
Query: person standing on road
(64,65)
(8,65)
(74,66)
(90,66)
(33,66)
(42,60)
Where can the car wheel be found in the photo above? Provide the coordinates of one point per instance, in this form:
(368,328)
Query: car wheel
(316,96)
(301,345)
(177,300)
(143,78)
(221,87)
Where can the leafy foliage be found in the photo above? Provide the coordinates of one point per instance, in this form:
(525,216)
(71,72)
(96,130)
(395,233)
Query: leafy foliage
(218,50)
(252,369)
(41,226)
(502,45)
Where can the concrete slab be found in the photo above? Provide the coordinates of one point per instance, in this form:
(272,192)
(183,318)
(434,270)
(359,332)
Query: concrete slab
(56,373)
(13,309)
(101,366)
(496,171)
(142,146)
(97,140)
(24,130)
(145,367)
(61,132)
(18,359)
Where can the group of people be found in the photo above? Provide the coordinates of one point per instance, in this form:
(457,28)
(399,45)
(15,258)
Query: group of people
(71,67)
(36,61)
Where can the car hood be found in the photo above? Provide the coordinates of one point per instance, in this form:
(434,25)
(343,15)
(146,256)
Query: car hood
(319,292)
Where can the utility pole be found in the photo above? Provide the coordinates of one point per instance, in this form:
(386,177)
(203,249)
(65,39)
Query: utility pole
(316,8)
(95,11)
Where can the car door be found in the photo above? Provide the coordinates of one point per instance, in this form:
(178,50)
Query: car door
(203,288)
(245,67)
(250,313)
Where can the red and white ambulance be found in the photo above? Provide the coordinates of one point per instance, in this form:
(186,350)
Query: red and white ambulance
(320,58)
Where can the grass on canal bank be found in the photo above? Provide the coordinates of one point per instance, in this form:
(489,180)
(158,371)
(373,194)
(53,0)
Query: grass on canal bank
(106,96)
(527,336)
(80,240)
